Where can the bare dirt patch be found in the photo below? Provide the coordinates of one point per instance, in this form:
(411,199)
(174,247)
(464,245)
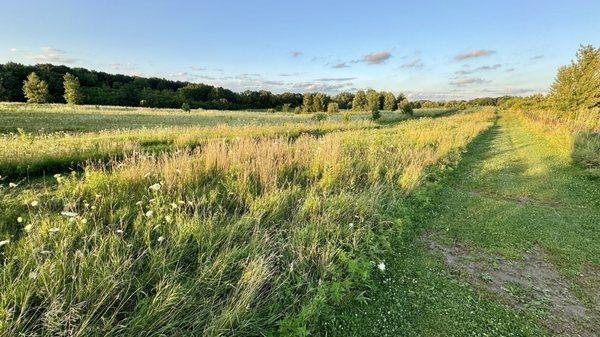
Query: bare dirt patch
(530,283)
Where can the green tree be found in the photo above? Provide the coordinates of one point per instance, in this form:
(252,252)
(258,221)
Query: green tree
(35,89)
(578,84)
(319,102)
(185,107)
(333,107)
(389,101)
(405,106)
(343,99)
(307,102)
(360,101)
(72,89)
(373,100)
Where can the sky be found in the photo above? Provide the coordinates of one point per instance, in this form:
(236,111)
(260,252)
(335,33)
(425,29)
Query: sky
(427,49)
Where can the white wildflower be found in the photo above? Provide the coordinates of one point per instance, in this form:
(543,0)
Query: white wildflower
(155,187)
(173,205)
(84,221)
(149,214)
(138,203)
(54,229)
(34,203)
(161,238)
(4,242)
(20,219)
(381,266)
(12,185)
(33,275)
(28,228)
(119,231)
(351,225)
(168,218)
(69,214)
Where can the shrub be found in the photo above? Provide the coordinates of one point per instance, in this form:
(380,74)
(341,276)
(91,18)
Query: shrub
(586,149)
(405,107)
(375,114)
(35,89)
(286,107)
(319,116)
(185,107)
(298,110)
(346,117)
(333,107)
(271,110)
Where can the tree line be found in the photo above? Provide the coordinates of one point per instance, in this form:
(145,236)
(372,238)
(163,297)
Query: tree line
(46,83)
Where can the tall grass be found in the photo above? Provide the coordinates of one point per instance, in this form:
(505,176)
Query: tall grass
(251,236)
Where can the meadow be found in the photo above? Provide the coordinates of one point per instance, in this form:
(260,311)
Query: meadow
(250,228)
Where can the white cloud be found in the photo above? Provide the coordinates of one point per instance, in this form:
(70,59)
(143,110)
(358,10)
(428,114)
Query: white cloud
(13,50)
(473,54)
(377,57)
(53,55)
(468,81)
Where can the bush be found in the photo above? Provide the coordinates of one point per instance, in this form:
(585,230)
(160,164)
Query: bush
(375,114)
(406,107)
(271,110)
(185,107)
(333,108)
(319,116)
(286,108)
(298,110)
(586,149)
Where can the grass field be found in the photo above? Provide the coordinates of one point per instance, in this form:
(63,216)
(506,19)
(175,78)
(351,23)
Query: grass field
(247,231)
(447,223)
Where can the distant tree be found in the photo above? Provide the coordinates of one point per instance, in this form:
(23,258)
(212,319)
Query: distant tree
(286,107)
(35,89)
(578,84)
(344,100)
(360,101)
(405,106)
(333,107)
(319,101)
(72,89)
(185,107)
(389,101)
(373,100)
(307,102)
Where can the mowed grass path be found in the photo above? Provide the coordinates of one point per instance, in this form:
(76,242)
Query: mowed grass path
(514,195)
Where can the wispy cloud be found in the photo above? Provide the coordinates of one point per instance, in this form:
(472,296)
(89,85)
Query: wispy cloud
(509,70)
(194,68)
(376,57)
(335,79)
(53,55)
(296,53)
(536,57)
(478,69)
(415,64)
(473,54)
(468,81)
(13,50)
(340,65)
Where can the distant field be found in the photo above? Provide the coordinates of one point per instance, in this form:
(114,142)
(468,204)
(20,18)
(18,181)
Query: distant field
(61,117)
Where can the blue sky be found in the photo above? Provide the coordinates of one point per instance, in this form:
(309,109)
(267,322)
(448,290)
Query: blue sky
(428,49)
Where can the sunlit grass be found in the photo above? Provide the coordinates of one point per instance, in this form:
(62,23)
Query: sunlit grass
(244,235)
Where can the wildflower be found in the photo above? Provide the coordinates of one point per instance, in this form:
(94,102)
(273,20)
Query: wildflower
(12,185)
(351,225)
(20,219)
(58,177)
(28,228)
(54,229)
(69,214)
(168,218)
(33,275)
(161,238)
(34,203)
(84,221)
(98,195)
(381,266)
(173,205)
(4,242)
(155,187)
(119,231)
(138,203)
(149,214)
